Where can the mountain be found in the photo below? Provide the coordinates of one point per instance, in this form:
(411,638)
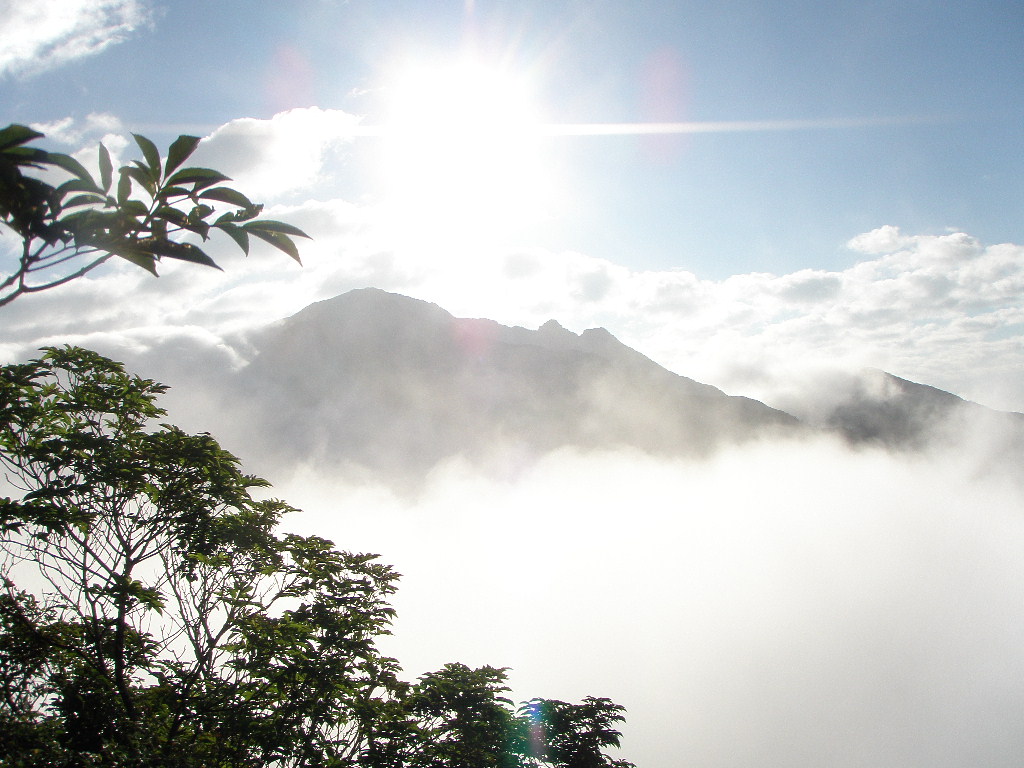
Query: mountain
(384,383)
(876,408)
(376,384)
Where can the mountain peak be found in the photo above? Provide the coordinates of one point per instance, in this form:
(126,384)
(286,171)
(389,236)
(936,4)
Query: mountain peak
(553,326)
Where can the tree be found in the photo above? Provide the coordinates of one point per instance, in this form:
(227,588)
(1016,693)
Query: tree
(567,735)
(170,622)
(151,614)
(68,230)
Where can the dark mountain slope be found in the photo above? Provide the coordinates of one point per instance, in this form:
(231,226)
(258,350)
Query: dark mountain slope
(373,383)
(879,409)
(392,384)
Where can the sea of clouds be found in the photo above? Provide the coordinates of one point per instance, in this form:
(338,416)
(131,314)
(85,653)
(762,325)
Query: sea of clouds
(778,604)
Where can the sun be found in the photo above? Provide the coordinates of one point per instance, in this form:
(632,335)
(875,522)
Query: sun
(463,151)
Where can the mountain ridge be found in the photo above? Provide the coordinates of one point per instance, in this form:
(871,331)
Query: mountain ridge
(376,383)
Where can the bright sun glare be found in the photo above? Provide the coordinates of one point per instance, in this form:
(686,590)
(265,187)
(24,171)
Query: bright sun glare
(463,152)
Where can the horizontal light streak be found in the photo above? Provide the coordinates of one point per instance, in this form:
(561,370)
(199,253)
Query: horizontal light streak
(663,129)
(726,126)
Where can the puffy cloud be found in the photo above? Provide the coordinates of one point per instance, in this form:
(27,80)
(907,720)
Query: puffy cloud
(67,130)
(44,34)
(269,158)
(882,240)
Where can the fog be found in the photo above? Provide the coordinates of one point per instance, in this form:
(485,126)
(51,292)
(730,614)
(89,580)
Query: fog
(780,604)
(786,603)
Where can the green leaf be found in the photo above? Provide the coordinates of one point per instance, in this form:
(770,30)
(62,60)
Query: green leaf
(166,193)
(201,177)
(227,195)
(268,225)
(248,214)
(152,155)
(239,235)
(124,185)
(134,208)
(199,212)
(28,157)
(137,256)
(141,175)
(77,185)
(87,199)
(14,135)
(278,240)
(73,167)
(181,251)
(179,151)
(172,215)
(106,169)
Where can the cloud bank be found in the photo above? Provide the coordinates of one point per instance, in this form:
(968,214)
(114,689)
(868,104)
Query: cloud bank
(777,605)
(44,34)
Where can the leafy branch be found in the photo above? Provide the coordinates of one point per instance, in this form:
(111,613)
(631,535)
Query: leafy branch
(140,213)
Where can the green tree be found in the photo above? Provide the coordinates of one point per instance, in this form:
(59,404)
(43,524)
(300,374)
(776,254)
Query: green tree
(152,614)
(564,735)
(141,213)
(169,623)
(462,719)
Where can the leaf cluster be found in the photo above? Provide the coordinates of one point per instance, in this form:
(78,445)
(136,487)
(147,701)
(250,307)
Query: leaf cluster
(147,210)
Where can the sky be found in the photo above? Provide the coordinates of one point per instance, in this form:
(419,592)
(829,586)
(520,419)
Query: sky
(753,194)
(729,188)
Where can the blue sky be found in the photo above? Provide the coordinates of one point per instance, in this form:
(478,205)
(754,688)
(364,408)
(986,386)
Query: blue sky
(948,75)
(834,121)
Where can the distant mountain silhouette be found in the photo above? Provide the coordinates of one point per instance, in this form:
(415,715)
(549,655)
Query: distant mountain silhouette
(375,383)
(391,384)
(877,408)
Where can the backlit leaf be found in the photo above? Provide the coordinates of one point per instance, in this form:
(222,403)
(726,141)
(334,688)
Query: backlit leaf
(268,225)
(151,153)
(278,240)
(227,195)
(106,169)
(239,235)
(124,185)
(14,135)
(202,177)
(141,175)
(89,199)
(182,251)
(73,167)
(179,152)
(136,256)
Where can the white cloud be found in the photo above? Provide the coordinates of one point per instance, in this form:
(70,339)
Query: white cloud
(777,605)
(69,131)
(269,158)
(882,240)
(43,34)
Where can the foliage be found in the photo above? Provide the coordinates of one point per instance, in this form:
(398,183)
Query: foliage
(152,614)
(69,230)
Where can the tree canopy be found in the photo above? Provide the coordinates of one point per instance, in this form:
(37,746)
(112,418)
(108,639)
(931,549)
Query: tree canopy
(152,613)
(149,209)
